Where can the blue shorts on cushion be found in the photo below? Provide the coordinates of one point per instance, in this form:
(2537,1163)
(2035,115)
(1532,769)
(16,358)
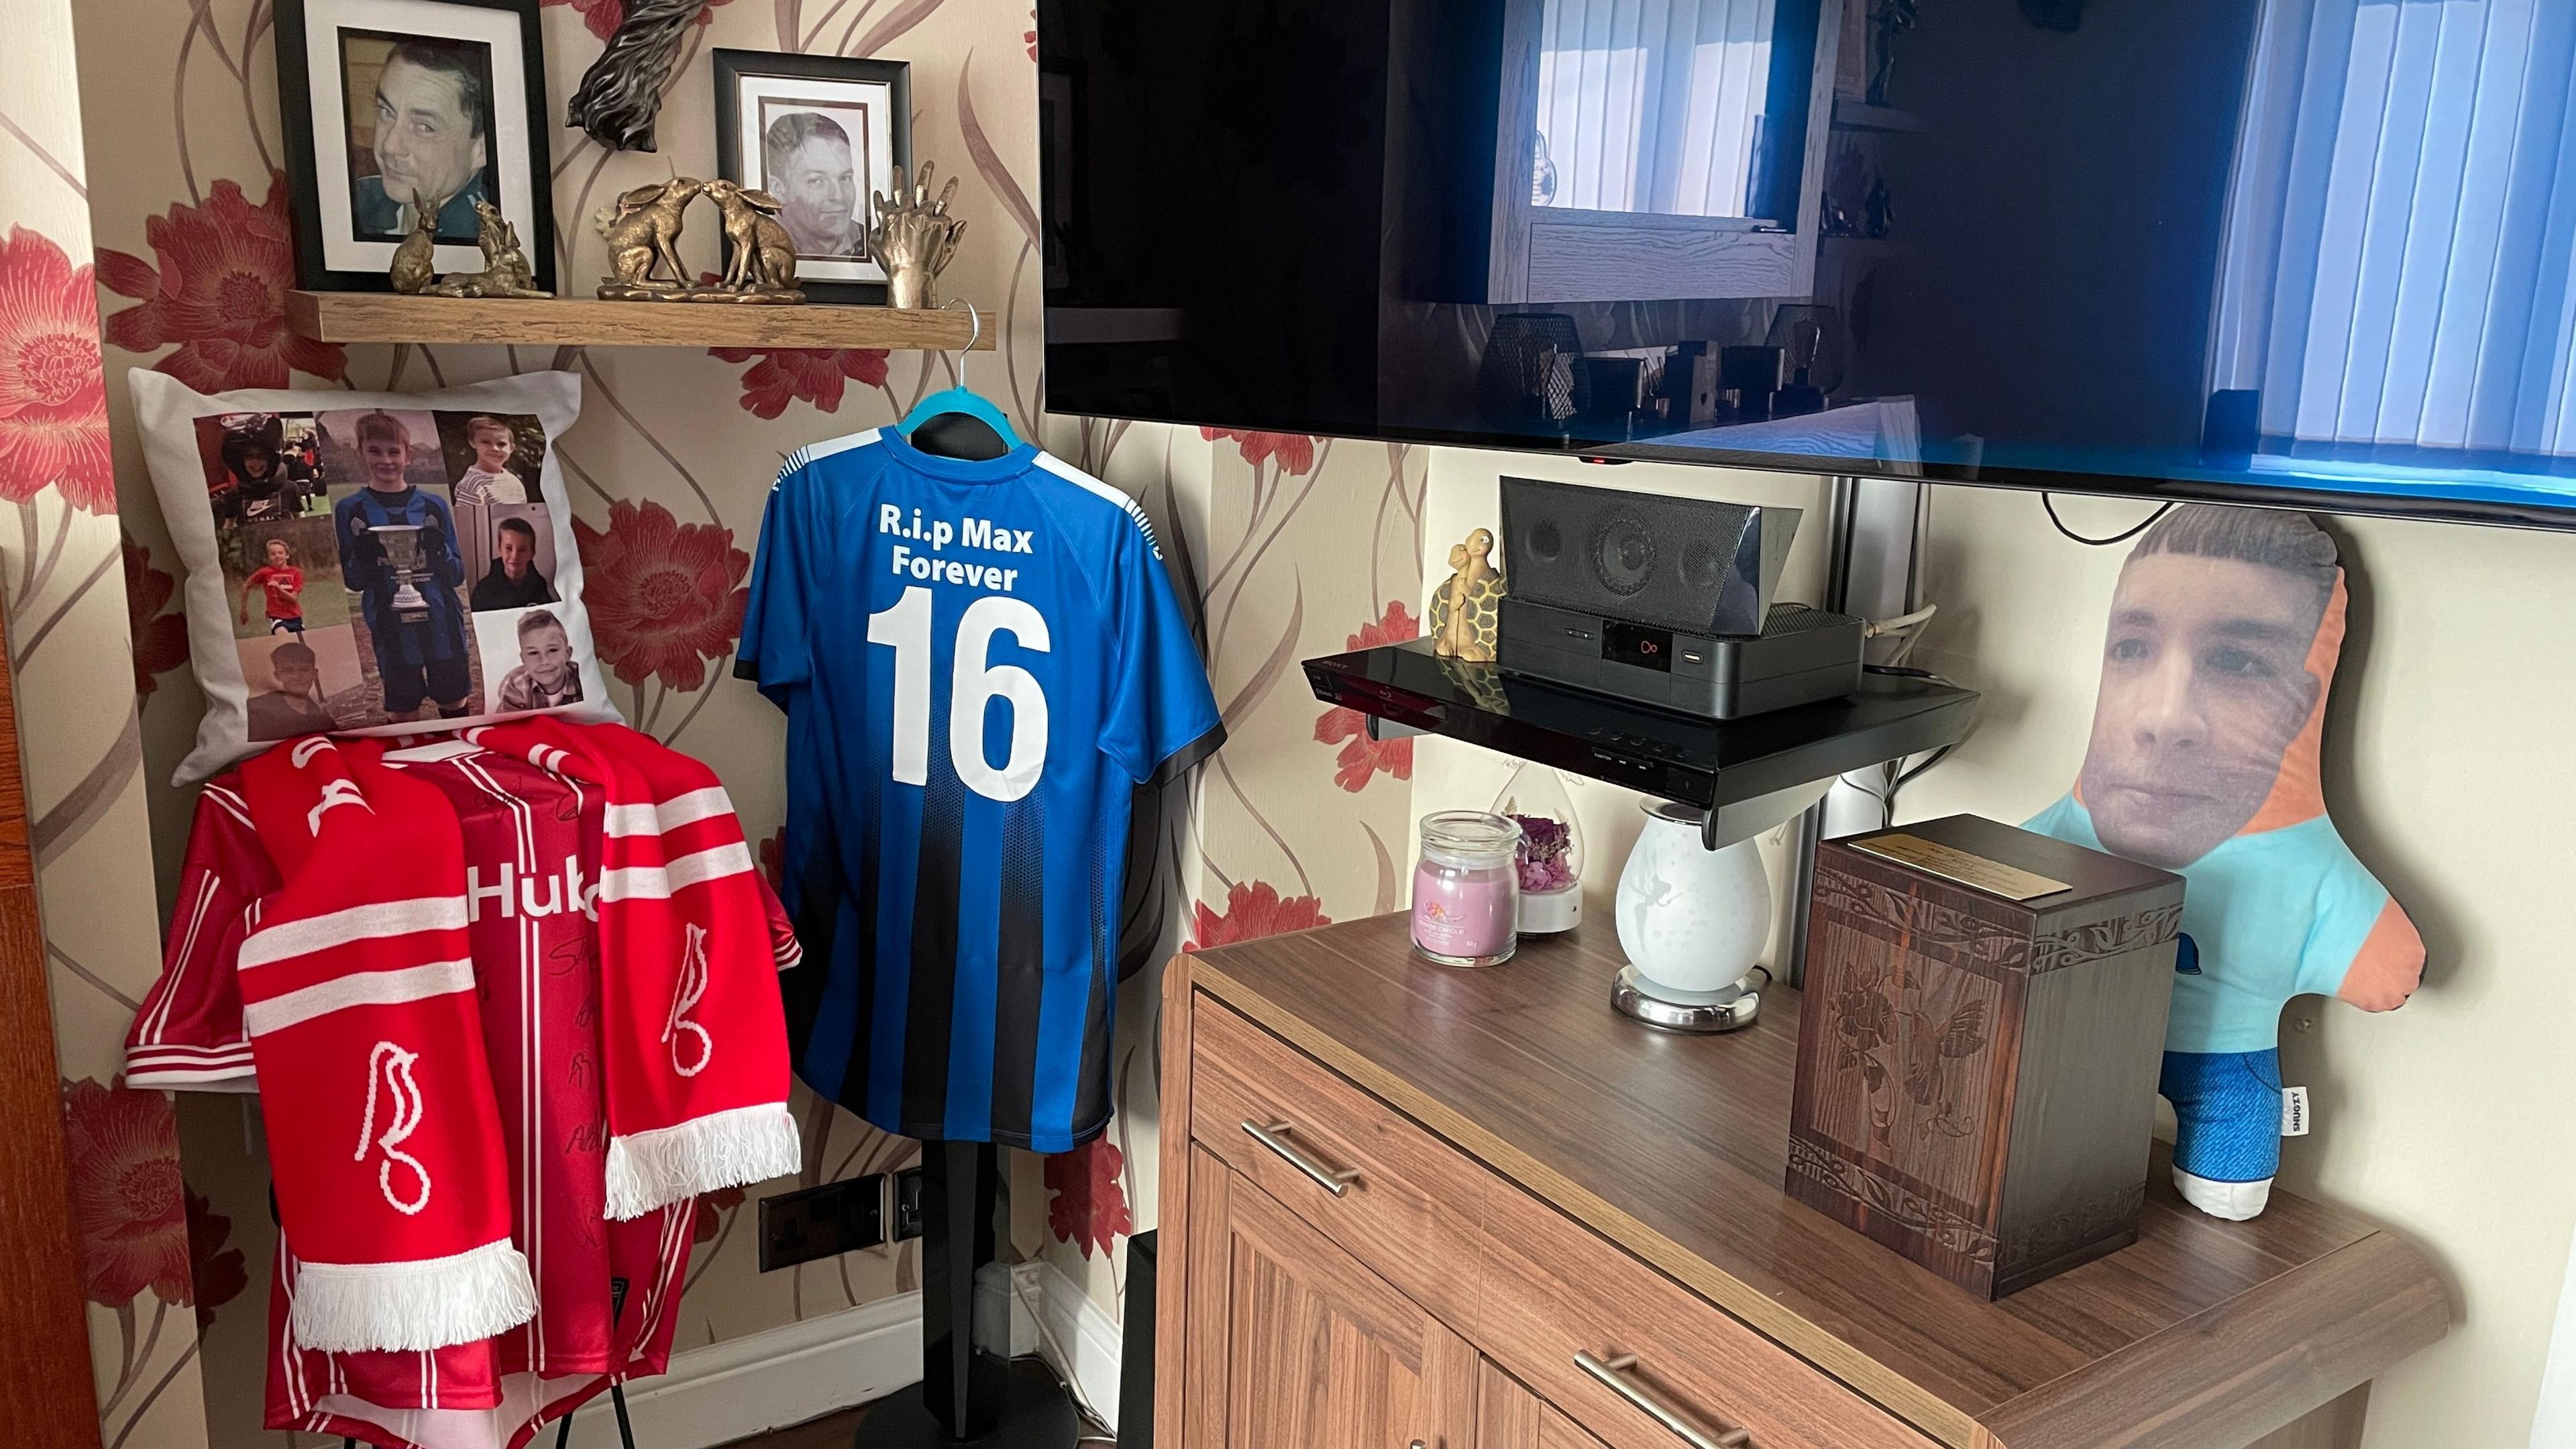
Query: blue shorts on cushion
(2227,1113)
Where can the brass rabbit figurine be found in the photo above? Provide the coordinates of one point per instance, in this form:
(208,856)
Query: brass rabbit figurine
(505,273)
(416,260)
(642,229)
(762,267)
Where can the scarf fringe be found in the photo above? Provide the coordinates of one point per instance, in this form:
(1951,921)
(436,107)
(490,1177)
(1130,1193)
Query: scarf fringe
(413,1306)
(734,1148)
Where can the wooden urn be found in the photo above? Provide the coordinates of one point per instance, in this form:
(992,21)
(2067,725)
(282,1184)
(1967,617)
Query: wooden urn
(1977,1060)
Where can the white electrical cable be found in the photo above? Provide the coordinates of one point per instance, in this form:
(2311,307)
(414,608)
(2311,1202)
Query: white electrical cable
(1914,620)
(1882,789)
(1910,625)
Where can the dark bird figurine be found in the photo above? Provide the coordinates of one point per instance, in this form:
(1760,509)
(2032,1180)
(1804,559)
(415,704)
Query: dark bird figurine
(621,93)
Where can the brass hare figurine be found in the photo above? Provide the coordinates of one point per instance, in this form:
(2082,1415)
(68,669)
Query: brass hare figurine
(505,273)
(416,260)
(642,229)
(762,267)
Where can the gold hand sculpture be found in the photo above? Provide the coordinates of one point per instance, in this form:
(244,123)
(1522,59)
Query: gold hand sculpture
(913,237)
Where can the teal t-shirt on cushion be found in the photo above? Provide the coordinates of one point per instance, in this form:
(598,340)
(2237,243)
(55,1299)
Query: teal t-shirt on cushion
(2277,914)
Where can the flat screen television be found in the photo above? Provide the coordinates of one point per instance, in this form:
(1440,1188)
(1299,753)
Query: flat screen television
(2314,253)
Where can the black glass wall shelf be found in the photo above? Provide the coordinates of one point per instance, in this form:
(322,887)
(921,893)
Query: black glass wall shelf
(1707,763)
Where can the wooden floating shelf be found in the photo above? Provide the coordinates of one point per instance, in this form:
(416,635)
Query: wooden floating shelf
(392,317)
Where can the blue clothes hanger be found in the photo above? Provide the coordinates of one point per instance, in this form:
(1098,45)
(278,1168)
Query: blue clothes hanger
(961,400)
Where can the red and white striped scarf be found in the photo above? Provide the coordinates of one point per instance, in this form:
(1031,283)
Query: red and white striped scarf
(358,995)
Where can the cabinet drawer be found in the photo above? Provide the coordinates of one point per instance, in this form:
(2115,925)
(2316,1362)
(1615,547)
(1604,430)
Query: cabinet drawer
(1406,1204)
(1509,1416)
(1554,1291)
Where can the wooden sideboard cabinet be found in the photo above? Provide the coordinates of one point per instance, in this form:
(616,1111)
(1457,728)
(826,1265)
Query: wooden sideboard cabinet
(1405,1207)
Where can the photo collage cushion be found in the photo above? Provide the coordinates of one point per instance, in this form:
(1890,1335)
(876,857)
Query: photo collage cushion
(372,563)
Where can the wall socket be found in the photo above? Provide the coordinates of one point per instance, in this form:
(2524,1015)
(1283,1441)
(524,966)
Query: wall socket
(907,1204)
(821,1222)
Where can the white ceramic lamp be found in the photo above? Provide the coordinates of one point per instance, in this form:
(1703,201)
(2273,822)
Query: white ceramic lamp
(1693,920)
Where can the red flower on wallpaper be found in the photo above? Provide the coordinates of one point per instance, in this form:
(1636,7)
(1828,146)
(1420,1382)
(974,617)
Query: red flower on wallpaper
(1089,1204)
(1295,451)
(53,382)
(1253,909)
(808,374)
(664,597)
(712,1206)
(604,16)
(160,640)
(773,859)
(218,1272)
(1361,757)
(126,1193)
(220,293)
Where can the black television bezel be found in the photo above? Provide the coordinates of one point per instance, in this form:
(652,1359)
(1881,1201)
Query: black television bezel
(2401,507)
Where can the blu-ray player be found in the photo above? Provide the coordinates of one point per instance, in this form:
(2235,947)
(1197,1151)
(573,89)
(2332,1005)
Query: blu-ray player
(1802,655)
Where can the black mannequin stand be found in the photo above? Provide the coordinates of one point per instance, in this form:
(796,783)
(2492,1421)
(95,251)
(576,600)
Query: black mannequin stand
(965,1397)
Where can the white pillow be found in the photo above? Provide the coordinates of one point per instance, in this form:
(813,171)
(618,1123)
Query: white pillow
(302,516)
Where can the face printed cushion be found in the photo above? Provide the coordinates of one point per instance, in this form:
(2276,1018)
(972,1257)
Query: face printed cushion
(372,563)
(2205,759)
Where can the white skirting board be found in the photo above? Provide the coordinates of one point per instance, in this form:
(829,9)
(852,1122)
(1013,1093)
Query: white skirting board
(800,1371)
(766,1380)
(1080,1337)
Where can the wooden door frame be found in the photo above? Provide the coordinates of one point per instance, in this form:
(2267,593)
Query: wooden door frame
(47,1393)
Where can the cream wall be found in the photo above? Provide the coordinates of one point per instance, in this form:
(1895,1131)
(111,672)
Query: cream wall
(2447,1120)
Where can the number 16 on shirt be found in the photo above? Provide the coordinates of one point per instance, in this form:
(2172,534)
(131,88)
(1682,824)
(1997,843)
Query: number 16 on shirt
(973,686)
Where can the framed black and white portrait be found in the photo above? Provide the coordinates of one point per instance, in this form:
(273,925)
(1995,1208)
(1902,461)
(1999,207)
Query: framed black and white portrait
(819,132)
(405,113)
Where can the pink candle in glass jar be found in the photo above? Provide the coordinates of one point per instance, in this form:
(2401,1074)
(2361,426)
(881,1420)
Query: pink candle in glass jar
(1466,891)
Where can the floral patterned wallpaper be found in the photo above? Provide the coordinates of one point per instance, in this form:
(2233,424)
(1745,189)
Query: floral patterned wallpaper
(62,557)
(1301,819)
(1287,547)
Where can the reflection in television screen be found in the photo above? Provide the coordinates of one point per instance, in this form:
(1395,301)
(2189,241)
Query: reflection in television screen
(2313,252)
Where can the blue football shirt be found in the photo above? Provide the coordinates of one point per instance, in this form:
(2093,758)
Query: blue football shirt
(979,662)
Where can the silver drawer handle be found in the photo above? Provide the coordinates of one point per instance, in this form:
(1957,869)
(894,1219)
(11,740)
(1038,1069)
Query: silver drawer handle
(1268,1136)
(1612,1372)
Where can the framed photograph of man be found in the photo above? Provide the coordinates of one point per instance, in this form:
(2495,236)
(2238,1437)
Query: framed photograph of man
(401,114)
(818,132)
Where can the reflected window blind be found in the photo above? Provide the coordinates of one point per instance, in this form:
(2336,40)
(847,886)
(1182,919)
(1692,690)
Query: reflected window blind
(2402,224)
(1651,105)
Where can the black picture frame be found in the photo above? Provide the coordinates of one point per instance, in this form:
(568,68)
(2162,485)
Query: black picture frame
(733,67)
(301,93)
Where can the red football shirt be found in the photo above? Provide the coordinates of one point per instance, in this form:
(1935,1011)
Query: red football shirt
(532,842)
(283,588)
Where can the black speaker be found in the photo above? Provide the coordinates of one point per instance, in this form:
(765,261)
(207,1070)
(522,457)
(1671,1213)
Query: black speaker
(1677,563)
